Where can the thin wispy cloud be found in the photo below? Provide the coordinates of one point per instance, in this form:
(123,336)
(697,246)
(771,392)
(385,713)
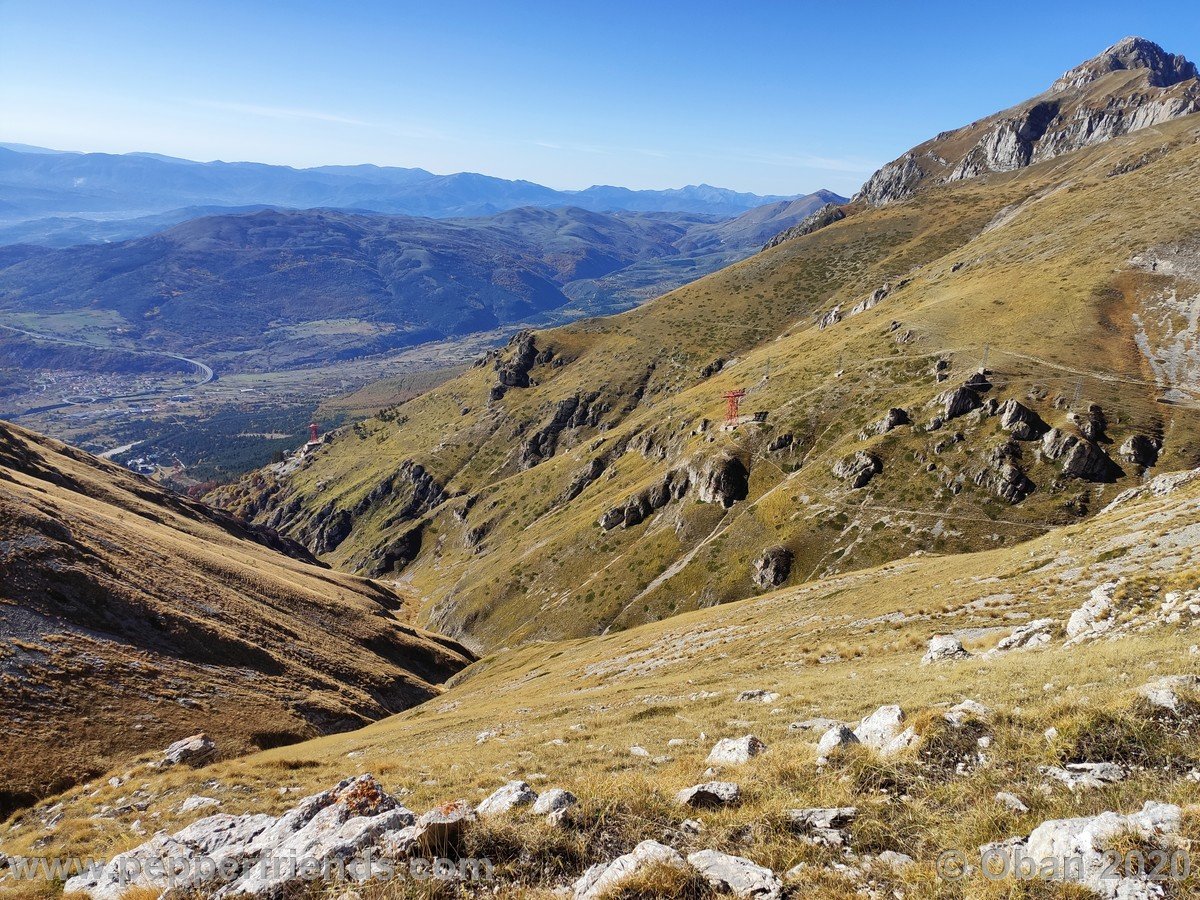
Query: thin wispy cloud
(285,113)
(848,166)
(281,112)
(600,150)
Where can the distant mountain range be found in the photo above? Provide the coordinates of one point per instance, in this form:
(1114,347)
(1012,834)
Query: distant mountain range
(279,288)
(72,189)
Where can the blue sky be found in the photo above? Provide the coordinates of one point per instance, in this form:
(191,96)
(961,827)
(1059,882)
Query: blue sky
(771,97)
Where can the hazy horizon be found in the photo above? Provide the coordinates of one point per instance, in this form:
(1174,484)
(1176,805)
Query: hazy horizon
(766,100)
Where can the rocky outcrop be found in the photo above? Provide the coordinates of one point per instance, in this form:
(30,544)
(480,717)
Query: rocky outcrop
(781,442)
(892,419)
(872,299)
(436,833)
(959,402)
(858,468)
(514,365)
(585,477)
(424,493)
(1056,442)
(1003,474)
(569,413)
(722,479)
(830,318)
(894,181)
(326,530)
(395,554)
(1141,450)
(1093,424)
(1010,144)
(772,567)
(332,827)
(1021,422)
(822,218)
(1088,462)
(1163,69)
(635,510)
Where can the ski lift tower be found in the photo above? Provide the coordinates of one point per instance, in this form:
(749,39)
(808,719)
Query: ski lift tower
(733,401)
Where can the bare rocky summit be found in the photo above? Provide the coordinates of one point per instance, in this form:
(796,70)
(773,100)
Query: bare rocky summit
(1132,85)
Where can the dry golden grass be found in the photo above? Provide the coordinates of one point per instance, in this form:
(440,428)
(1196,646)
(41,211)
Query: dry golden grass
(566,715)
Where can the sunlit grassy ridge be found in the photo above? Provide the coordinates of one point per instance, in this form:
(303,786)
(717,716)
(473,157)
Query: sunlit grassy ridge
(133,618)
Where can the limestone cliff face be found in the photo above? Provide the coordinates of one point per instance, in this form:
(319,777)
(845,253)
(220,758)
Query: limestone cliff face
(1132,85)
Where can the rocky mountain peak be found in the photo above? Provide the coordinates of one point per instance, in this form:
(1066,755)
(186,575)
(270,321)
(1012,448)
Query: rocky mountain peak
(1076,112)
(1165,69)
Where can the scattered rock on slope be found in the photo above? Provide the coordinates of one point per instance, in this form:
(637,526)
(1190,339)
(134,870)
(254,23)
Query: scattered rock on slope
(1095,616)
(554,800)
(884,732)
(1164,692)
(709,795)
(191,751)
(824,825)
(736,875)
(835,739)
(942,648)
(1026,637)
(735,751)
(507,798)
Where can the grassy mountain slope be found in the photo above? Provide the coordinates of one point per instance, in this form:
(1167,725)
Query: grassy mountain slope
(567,715)
(131,618)
(1071,275)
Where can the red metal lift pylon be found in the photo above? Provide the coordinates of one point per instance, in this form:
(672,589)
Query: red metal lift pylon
(733,400)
